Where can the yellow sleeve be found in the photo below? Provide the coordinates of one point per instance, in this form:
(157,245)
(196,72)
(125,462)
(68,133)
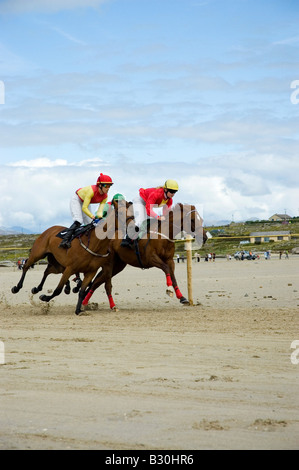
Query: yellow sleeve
(86,194)
(101,208)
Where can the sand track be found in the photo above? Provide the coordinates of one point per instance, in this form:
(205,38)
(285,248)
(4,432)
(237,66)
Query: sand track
(155,374)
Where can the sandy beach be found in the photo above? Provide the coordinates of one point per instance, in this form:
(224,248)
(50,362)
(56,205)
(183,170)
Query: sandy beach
(155,374)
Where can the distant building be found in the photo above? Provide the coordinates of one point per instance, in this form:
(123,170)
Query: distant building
(259,237)
(279,217)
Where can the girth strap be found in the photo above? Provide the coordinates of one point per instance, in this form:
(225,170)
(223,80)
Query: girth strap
(136,244)
(92,252)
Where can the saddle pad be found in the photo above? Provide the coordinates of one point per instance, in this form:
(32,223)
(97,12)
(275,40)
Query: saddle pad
(79,231)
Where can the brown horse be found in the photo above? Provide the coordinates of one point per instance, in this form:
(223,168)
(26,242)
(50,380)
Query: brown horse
(86,255)
(155,249)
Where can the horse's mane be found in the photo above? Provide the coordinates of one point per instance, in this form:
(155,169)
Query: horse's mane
(179,207)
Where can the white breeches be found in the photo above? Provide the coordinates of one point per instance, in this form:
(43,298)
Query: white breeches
(76,211)
(139,210)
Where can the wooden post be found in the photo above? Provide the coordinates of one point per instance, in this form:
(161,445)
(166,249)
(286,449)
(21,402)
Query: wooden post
(189,267)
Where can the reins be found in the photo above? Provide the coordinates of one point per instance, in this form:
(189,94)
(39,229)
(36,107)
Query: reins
(162,235)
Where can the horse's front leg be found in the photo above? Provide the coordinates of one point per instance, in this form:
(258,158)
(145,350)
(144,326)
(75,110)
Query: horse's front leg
(110,271)
(169,284)
(171,281)
(82,292)
(57,291)
(49,270)
(118,266)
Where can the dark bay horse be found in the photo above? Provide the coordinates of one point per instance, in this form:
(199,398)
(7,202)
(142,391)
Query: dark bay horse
(155,249)
(86,255)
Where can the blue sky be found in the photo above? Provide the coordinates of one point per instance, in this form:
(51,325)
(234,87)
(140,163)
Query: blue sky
(144,90)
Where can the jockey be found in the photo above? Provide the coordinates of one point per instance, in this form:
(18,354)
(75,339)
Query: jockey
(93,194)
(107,207)
(149,198)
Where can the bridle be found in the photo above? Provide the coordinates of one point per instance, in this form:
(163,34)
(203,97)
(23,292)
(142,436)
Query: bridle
(186,215)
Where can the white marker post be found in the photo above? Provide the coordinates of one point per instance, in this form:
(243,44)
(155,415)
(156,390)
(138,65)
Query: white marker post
(188,247)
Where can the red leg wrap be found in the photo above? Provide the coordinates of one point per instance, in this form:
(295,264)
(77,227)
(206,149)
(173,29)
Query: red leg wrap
(178,292)
(111,301)
(168,280)
(87,297)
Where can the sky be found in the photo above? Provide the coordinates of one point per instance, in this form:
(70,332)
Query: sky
(205,92)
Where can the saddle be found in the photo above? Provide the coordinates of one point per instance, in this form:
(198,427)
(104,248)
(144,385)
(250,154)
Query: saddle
(77,232)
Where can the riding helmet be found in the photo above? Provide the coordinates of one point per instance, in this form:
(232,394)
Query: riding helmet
(104,179)
(171,184)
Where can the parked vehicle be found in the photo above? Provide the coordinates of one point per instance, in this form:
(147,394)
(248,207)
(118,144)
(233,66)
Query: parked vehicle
(240,255)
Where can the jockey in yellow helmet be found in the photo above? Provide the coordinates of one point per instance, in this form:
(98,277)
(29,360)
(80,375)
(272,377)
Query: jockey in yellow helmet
(148,199)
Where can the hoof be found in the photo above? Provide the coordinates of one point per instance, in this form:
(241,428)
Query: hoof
(76,289)
(115,309)
(169,292)
(15,290)
(80,312)
(44,298)
(34,290)
(184,301)
(67,290)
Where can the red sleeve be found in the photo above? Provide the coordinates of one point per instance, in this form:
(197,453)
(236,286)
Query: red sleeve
(151,200)
(167,207)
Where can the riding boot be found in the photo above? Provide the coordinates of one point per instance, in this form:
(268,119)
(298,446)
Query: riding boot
(66,242)
(127,242)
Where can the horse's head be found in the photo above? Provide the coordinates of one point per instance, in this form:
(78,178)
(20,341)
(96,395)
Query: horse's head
(116,220)
(187,217)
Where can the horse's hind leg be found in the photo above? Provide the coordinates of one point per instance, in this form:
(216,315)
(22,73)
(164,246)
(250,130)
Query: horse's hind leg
(26,266)
(78,281)
(38,251)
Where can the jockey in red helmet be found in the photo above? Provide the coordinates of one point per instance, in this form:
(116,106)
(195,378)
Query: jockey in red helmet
(83,197)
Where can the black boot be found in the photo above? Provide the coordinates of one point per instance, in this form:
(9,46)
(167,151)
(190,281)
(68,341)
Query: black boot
(66,242)
(127,242)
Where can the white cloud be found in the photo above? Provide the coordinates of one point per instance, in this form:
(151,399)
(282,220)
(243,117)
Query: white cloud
(39,163)
(69,37)
(46,6)
(48,163)
(290,40)
(220,187)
